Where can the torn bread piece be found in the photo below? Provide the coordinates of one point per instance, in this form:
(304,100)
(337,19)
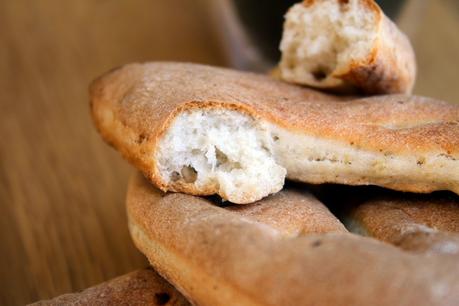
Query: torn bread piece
(252,255)
(203,130)
(141,287)
(422,224)
(337,44)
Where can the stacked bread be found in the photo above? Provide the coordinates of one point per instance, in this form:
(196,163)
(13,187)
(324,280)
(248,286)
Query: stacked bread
(208,139)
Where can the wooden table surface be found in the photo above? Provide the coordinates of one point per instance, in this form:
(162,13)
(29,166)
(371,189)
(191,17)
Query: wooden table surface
(62,190)
(62,217)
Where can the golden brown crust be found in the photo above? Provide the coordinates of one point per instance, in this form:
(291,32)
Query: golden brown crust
(218,257)
(133,106)
(142,287)
(426,224)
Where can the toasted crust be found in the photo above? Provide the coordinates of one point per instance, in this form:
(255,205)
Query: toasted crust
(217,257)
(390,66)
(133,106)
(142,287)
(426,224)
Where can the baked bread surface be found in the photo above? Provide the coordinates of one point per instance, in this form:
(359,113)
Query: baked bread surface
(423,224)
(217,256)
(142,287)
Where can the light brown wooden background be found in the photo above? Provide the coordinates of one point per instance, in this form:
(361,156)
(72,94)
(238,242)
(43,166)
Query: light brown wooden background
(62,219)
(62,190)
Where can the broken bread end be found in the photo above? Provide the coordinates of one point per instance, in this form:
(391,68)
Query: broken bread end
(344,45)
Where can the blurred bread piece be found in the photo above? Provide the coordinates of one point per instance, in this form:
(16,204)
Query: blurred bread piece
(424,224)
(142,287)
(217,256)
(344,45)
(204,130)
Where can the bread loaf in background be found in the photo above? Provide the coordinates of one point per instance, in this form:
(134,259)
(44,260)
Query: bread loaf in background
(346,45)
(142,287)
(422,224)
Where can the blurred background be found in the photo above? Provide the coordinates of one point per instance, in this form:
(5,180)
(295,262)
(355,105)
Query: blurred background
(62,217)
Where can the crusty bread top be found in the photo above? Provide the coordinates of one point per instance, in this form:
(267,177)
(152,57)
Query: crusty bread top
(250,263)
(142,287)
(144,97)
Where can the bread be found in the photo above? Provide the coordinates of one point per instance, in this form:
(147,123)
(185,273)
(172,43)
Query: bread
(345,44)
(216,256)
(428,224)
(142,287)
(203,130)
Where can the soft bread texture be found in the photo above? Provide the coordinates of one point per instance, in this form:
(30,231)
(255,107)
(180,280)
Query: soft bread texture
(428,224)
(229,153)
(204,130)
(336,44)
(142,287)
(248,255)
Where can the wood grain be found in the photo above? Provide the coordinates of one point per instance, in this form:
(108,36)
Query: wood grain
(62,216)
